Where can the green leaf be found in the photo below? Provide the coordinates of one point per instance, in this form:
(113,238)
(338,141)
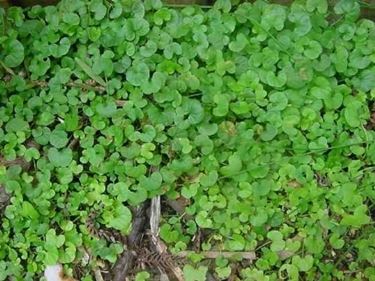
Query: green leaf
(224,5)
(71,122)
(303,264)
(233,167)
(320,5)
(146,150)
(260,171)
(16,125)
(358,218)
(138,74)
(157,82)
(276,81)
(116,11)
(32,153)
(161,15)
(313,50)
(142,276)
(149,49)
(269,133)
(202,220)
(60,49)
(104,64)
(39,66)
(274,16)
(278,243)
(301,19)
(94,33)
(168,234)
(28,210)
(336,241)
(222,106)
(58,138)
(152,183)
(340,59)
(347,7)
(210,179)
(351,114)
(195,274)
(53,240)
(119,218)
(189,191)
(51,256)
(237,243)
(99,9)
(259,219)
(3,271)
(365,81)
(60,158)
(239,44)
(223,272)
(71,18)
(14,53)
(68,255)
(107,109)
(95,155)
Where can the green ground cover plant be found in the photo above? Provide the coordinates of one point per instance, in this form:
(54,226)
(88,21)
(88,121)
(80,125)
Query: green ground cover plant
(259,118)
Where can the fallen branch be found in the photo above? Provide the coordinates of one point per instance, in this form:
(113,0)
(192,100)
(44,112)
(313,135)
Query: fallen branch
(216,254)
(126,261)
(120,102)
(87,87)
(98,275)
(159,246)
(154,223)
(283,255)
(18,161)
(38,83)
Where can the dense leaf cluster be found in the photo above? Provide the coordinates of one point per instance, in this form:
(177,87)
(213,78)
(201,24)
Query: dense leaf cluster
(257,117)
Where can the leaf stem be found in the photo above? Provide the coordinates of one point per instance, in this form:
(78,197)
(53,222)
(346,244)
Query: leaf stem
(317,150)
(255,22)
(7,69)
(263,245)
(5,21)
(336,21)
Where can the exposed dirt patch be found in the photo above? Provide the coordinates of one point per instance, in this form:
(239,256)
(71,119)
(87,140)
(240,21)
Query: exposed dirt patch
(4,199)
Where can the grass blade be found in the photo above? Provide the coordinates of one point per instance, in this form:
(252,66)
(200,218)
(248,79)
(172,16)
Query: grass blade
(87,69)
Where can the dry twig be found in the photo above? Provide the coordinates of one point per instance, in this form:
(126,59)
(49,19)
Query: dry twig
(216,254)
